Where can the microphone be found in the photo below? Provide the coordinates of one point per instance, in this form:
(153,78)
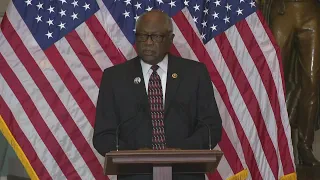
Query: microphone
(202,122)
(209,132)
(118,127)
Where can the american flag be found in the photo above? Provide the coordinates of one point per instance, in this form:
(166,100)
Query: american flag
(53,53)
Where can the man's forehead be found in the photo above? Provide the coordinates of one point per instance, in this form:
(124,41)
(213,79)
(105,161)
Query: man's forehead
(152,19)
(152,26)
(154,14)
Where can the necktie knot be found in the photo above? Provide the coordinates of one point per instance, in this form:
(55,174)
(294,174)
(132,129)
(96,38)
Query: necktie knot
(155,67)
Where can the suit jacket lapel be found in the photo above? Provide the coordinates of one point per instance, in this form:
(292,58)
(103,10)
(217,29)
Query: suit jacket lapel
(138,88)
(174,76)
(173,79)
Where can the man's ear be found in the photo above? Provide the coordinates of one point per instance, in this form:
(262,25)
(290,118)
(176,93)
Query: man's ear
(171,38)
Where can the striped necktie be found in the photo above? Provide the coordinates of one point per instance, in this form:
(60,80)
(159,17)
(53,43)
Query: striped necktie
(157,111)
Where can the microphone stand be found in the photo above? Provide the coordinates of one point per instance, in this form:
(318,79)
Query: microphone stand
(209,132)
(117,130)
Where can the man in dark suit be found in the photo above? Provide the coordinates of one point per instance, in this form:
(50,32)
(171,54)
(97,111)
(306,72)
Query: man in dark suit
(160,101)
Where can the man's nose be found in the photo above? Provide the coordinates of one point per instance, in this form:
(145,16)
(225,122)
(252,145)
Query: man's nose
(149,40)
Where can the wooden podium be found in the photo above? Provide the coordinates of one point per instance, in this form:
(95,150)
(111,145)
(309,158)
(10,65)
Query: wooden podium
(161,163)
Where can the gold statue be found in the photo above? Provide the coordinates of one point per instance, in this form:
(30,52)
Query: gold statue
(295,25)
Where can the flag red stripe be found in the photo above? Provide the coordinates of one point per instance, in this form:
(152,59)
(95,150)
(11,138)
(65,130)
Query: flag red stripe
(214,176)
(286,159)
(72,84)
(230,153)
(115,56)
(174,51)
(276,47)
(22,140)
(31,110)
(84,56)
(267,79)
(59,110)
(250,100)
(64,117)
(204,57)
(225,143)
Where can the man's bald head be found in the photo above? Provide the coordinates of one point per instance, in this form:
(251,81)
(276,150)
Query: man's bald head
(157,16)
(154,36)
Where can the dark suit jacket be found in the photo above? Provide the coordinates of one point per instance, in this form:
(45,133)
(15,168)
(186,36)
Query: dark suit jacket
(189,102)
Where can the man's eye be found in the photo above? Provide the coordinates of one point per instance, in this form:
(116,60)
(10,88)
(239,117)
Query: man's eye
(157,36)
(142,36)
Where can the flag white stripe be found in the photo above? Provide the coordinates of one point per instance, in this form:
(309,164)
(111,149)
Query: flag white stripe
(43,107)
(227,121)
(93,46)
(181,44)
(239,107)
(30,132)
(91,90)
(19,113)
(123,45)
(253,76)
(114,32)
(59,87)
(255,81)
(189,17)
(230,130)
(238,104)
(270,54)
(77,68)
(185,50)
(224,168)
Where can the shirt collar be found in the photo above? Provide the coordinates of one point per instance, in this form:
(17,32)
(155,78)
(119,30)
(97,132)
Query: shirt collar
(163,65)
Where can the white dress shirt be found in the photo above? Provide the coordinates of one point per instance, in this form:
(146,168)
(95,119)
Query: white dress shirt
(162,71)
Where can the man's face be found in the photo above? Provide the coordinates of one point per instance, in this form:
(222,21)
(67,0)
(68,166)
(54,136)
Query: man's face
(153,40)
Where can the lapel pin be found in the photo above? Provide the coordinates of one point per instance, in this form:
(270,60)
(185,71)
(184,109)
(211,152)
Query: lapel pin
(137,80)
(174,75)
